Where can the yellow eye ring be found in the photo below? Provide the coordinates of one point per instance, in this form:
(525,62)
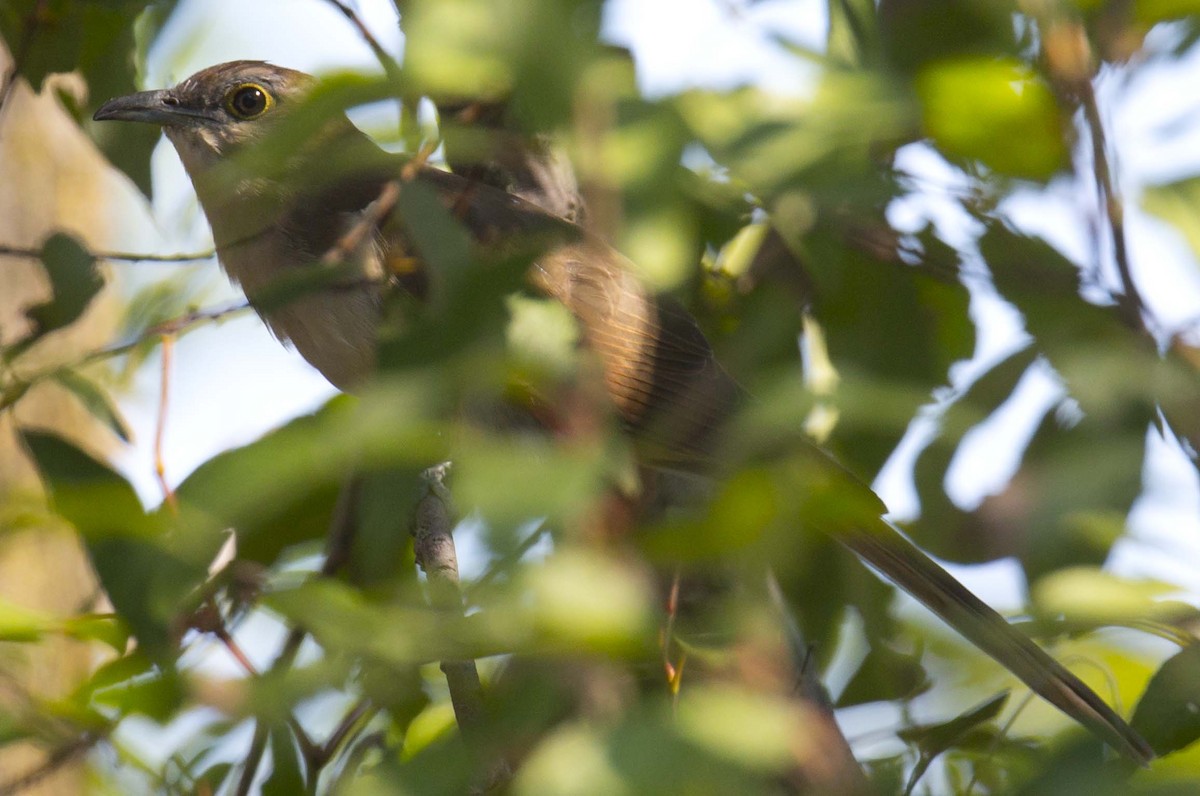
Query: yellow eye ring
(248,101)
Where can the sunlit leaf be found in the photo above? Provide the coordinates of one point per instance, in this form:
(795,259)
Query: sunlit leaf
(997,112)
(1177,203)
(567,613)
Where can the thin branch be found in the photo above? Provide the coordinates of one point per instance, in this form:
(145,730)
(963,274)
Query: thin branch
(1130,302)
(258,745)
(385,59)
(433,547)
(126,257)
(55,760)
(337,550)
(15,389)
(347,244)
(357,716)
(225,637)
(160,425)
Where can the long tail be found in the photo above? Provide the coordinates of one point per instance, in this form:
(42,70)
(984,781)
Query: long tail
(912,570)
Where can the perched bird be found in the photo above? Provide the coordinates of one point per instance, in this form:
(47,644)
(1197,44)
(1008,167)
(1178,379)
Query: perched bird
(272,223)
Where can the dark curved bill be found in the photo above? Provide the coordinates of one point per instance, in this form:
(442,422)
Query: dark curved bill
(155,107)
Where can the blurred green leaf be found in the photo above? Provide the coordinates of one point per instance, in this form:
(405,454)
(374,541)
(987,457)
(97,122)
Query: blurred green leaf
(105,628)
(916,32)
(496,476)
(95,39)
(343,619)
(1168,714)
(23,624)
(885,675)
(755,730)
(535,52)
(133,684)
(145,579)
(287,766)
(1088,595)
(568,615)
(382,546)
(997,112)
(1177,203)
(95,400)
(280,491)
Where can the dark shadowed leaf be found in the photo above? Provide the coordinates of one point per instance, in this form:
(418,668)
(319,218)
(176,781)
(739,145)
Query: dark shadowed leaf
(287,766)
(145,579)
(885,674)
(74,282)
(280,491)
(1168,715)
(934,739)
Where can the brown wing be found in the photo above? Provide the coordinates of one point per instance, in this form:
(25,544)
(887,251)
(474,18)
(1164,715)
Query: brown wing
(658,367)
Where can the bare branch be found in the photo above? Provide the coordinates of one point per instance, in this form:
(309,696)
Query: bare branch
(1130,302)
(385,59)
(126,257)
(13,391)
(160,425)
(433,546)
(337,551)
(56,759)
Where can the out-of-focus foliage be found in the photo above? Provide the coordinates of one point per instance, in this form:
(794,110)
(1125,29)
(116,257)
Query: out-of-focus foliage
(626,654)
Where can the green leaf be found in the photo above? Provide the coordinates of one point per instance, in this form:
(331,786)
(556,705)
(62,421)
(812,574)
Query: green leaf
(280,490)
(74,282)
(287,766)
(95,400)
(97,500)
(382,549)
(1177,203)
(23,624)
(998,112)
(144,577)
(135,684)
(934,739)
(885,675)
(105,628)
(1168,714)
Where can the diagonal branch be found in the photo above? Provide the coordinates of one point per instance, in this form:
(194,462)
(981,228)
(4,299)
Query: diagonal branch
(1130,302)
(388,63)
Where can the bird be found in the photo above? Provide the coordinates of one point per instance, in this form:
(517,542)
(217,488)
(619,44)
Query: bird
(327,201)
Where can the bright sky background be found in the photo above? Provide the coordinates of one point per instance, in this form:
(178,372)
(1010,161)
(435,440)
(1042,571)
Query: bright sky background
(233,382)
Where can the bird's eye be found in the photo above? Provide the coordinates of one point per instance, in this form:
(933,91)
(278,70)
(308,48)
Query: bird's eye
(248,101)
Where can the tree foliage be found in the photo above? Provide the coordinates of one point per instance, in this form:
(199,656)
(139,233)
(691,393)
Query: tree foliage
(654,657)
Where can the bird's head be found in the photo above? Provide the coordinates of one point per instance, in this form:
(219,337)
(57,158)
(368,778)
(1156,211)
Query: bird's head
(216,111)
